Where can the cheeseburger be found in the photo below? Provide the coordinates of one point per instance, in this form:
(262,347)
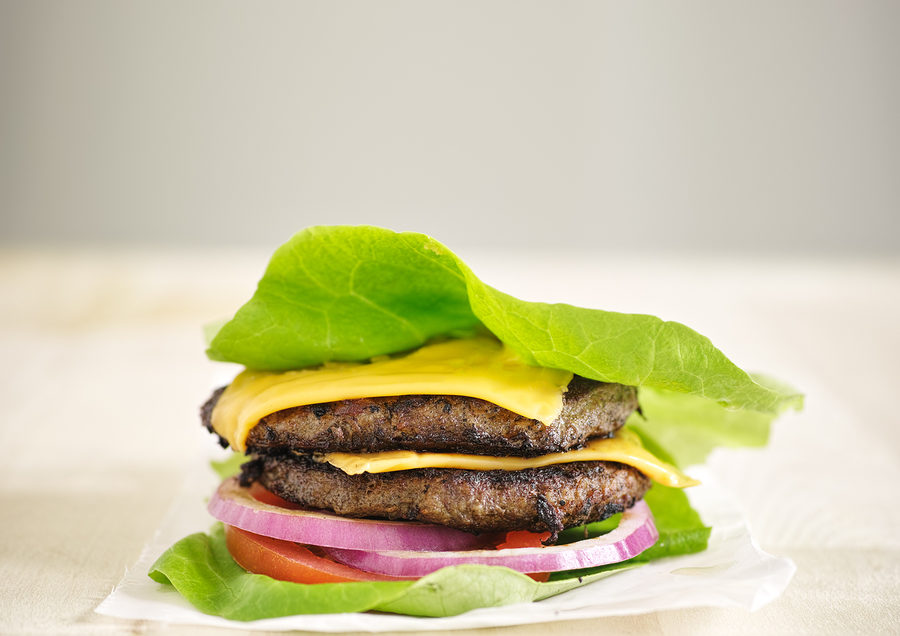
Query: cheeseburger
(423,437)
(398,417)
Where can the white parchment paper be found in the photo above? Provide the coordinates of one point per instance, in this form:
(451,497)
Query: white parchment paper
(732,572)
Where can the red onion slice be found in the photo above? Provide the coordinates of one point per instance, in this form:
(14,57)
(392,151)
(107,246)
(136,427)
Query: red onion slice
(233,505)
(635,533)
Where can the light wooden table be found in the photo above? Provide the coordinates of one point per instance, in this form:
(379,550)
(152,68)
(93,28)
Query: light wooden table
(104,371)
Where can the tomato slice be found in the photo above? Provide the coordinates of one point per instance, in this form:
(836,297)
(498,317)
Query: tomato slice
(262,494)
(526,539)
(523,539)
(288,561)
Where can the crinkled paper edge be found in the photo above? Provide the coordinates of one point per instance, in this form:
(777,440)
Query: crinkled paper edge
(732,572)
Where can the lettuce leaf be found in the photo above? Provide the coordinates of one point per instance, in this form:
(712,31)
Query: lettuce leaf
(201,569)
(683,429)
(229,466)
(346,293)
(351,293)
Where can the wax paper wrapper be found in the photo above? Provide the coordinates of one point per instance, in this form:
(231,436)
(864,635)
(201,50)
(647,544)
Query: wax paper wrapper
(732,572)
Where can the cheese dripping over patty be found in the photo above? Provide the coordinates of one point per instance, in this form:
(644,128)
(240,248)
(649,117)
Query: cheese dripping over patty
(480,367)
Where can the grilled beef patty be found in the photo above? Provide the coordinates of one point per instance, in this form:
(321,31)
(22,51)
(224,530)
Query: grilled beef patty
(536,499)
(441,423)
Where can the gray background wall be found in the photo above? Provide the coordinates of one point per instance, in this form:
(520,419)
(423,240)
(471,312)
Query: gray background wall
(729,126)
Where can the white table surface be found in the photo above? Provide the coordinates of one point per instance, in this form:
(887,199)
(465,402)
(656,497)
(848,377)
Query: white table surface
(104,373)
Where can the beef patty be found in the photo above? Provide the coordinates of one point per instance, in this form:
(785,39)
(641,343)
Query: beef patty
(441,423)
(536,499)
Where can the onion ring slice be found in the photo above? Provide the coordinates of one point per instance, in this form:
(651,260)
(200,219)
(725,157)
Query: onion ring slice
(636,532)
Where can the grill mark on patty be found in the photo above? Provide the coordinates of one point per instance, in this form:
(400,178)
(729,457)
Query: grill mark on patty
(441,423)
(550,498)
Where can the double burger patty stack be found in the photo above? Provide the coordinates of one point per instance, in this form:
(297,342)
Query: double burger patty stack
(287,447)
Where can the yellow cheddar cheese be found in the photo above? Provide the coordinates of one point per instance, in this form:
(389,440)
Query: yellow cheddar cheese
(624,448)
(478,367)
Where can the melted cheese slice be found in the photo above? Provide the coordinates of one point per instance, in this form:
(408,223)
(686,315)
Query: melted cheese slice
(624,448)
(475,367)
